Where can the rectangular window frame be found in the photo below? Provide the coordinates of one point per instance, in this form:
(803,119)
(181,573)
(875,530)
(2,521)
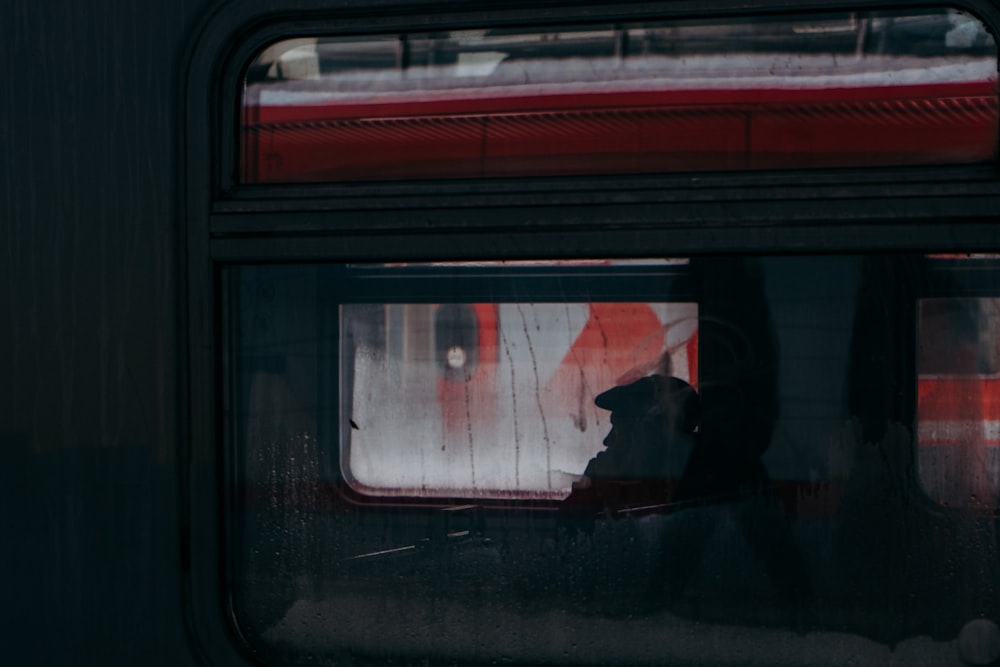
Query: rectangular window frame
(890,209)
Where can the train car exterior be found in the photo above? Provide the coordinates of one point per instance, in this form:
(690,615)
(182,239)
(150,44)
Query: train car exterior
(466,333)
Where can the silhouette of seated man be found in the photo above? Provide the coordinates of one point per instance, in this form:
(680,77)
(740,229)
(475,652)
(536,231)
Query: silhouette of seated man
(660,425)
(653,422)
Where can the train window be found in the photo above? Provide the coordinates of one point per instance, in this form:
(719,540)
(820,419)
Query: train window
(451,428)
(448,379)
(619,414)
(461,399)
(509,439)
(849,89)
(959,395)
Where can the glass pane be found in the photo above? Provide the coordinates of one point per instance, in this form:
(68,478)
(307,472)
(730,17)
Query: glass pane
(494,399)
(721,460)
(849,89)
(959,409)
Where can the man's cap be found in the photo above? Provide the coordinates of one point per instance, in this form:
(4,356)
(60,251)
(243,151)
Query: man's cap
(654,394)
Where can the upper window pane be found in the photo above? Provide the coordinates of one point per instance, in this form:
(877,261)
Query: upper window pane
(852,89)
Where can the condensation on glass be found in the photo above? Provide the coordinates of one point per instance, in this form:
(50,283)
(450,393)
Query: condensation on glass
(835,90)
(418,460)
(494,400)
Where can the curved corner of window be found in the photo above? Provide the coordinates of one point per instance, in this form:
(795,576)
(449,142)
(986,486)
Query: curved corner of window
(852,89)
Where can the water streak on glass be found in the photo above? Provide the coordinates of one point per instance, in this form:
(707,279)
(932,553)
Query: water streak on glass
(496,400)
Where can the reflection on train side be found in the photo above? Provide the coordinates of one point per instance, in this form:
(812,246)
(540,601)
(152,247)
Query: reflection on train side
(811,91)
(457,479)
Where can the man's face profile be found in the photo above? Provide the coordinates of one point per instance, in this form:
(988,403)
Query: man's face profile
(621,433)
